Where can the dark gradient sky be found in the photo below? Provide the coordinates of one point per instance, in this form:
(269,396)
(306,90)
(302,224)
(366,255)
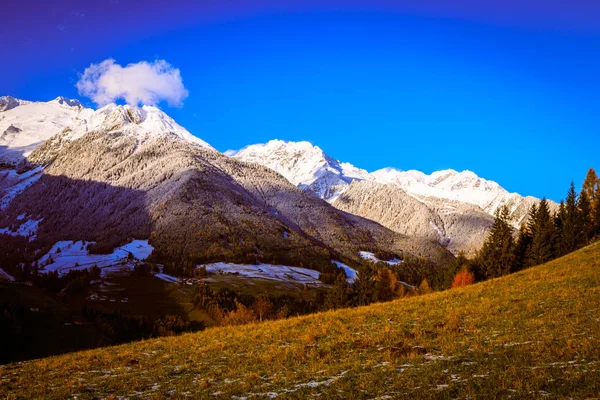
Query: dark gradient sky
(508,89)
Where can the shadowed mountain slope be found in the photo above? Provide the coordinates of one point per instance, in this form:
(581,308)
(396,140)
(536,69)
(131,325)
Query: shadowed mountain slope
(122,181)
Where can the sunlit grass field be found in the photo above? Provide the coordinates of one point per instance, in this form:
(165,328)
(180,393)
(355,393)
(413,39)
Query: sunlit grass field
(534,334)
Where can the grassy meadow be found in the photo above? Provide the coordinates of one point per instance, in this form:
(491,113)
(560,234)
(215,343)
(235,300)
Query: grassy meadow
(533,334)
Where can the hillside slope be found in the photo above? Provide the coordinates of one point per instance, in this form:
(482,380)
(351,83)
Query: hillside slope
(457,225)
(534,334)
(455,208)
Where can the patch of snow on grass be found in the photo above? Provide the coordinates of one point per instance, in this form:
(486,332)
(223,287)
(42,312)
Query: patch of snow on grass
(68,255)
(280,273)
(12,184)
(5,276)
(26,229)
(166,278)
(367,255)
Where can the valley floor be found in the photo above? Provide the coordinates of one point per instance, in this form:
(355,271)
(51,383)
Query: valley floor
(534,334)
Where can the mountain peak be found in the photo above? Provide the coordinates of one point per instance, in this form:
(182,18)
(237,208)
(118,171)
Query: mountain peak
(146,121)
(26,125)
(67,102)
(303,164)
(9,102)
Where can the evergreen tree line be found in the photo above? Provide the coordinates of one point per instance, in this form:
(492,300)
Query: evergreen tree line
(545,236)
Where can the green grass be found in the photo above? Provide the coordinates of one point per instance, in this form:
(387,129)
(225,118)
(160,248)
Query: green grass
(534,334)
(148,296)
(254,287)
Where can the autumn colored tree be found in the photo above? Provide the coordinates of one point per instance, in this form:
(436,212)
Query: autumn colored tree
(240,316)
(386,284)
(424,287)
(261,306)
(463,278)
(590,186)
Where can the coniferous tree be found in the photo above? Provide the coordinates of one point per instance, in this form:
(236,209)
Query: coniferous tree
(338,295)
(521,249)
(543,241)
(596,211)
(559,217)
(496,255)
(449,273)
(364,286)
(570,231)
(585,219)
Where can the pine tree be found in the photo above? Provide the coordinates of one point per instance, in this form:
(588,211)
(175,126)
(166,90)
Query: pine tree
(452,268)
(364,286)
(544,236)
(338,295)
(585,219)
(521,249)
(570,231)
(596,212)
(531,218)
(496,255)
(558,224)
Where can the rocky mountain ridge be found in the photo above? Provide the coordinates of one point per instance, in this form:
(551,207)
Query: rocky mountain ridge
(122,173)
(408,202)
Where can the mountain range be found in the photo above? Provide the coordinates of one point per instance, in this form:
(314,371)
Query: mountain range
(121,173)
(455,208)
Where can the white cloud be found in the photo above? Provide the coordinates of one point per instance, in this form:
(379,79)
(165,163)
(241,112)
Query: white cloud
(140,83)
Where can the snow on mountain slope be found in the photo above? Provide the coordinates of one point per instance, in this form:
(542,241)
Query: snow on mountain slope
(309,168)
(68,255)
(25,125)
(144,122)
(463,186)
(456,225)
(281,273)
(13,182)
(9,102)
(304,165)
(454,208)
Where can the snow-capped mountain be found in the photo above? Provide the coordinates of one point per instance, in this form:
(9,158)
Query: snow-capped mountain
(304,165)
(9,102)
(456,208)
(309,168)
(463,186)
(26,125)
(121,173)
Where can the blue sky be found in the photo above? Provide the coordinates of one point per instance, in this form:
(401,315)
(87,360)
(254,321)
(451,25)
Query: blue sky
(513,98)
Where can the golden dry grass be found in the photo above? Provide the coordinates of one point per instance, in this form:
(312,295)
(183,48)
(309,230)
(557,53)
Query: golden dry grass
(534,334)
